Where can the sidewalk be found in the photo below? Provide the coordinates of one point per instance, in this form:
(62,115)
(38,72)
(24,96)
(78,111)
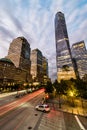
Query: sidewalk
(78,110)
(10,93)
(7,94)
(74,110)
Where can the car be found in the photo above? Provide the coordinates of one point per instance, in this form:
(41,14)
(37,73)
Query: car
(43,107)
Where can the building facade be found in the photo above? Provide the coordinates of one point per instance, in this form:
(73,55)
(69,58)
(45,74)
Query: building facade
(65,68)
(36,65)
(19,54)
(45,70)
(45,66)
(7,70)
(10,75)
(79,54)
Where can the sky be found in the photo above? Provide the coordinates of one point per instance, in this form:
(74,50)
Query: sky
(34,20)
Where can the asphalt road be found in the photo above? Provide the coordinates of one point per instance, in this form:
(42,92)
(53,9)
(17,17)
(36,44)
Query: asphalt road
(21,115)
(6,100)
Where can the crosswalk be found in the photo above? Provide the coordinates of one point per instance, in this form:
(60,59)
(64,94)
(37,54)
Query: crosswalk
(52,121)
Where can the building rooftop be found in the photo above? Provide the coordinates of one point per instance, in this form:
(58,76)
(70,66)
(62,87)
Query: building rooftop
(77,43)
(6,60)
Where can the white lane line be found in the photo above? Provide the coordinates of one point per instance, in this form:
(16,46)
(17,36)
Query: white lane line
(80,124)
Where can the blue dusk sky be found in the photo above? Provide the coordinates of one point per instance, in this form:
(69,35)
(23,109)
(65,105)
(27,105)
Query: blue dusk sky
(34,19)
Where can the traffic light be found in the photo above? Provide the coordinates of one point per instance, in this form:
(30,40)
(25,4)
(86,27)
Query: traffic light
(47,96)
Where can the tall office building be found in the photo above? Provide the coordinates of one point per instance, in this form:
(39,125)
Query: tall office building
(45,66)
(19,54)
(36,65)
(65,69)
(79,53)
(45,70)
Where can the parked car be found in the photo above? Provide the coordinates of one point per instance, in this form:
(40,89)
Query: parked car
(43,107)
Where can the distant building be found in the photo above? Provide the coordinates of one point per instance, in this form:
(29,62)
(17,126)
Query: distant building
(79,54)
(45,70)
(19,54)
(45,66)
(65,68)
(39,67)
(36,65)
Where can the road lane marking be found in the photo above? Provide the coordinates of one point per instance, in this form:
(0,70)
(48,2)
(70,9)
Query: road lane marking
(80,124)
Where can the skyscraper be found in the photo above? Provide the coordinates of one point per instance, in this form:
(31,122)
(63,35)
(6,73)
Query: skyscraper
(65,69)
(39,66)
(19,54)
(45,66)
(79,53)
(45,70)
(36,65)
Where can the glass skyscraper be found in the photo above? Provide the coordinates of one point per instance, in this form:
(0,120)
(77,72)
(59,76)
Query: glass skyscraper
(19,54)
(36,65)
(45,66)
(79,53)
(65,69)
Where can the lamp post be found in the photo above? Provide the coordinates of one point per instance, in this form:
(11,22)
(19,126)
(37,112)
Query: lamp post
(59,101)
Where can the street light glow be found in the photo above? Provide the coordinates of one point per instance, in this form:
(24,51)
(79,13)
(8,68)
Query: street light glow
(71,94)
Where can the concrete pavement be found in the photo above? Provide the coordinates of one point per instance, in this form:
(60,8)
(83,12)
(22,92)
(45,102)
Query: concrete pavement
(54,120)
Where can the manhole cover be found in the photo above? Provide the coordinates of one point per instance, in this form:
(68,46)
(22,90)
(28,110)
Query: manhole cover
(36,114)
(29,127)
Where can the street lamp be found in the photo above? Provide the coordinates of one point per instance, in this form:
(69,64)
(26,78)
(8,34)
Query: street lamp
(59,101)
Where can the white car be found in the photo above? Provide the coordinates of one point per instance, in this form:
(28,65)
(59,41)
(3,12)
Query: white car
(43,107)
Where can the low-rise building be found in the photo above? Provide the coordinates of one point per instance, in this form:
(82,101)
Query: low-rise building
(10,74)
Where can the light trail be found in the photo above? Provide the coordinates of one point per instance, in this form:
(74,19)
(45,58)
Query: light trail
(4,109)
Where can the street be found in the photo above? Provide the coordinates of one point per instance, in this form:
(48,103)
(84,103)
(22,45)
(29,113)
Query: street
(21,115)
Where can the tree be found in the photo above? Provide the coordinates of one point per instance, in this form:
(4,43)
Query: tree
(65,68)
(27,87)
(85,78)
(82,88)
(57,86)
(59,91)
(49,87)
(64,86)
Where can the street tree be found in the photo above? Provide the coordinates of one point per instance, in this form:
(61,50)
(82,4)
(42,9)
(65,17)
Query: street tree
(49,87)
